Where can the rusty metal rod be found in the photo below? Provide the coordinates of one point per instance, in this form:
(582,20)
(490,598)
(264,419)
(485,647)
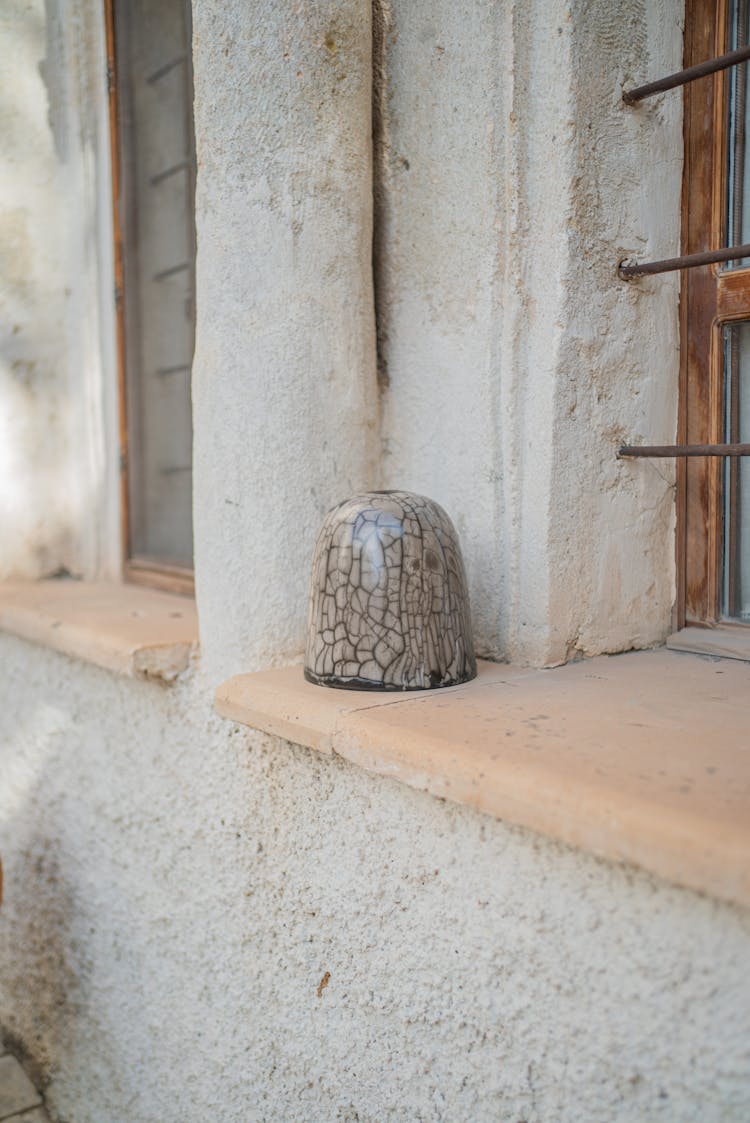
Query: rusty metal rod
(710,66)
(687,261)
(683,450)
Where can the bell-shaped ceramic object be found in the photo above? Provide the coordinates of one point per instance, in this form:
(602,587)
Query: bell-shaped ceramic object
(388,607)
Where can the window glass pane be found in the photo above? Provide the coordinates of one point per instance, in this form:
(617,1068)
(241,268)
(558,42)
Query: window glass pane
(736,576)
(157,157)
(738,178)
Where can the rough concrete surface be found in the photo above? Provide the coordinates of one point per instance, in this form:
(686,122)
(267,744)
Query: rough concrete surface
(193,884)
(612,521)
(203,923)
(510,182)
(17,1093)
(284,377)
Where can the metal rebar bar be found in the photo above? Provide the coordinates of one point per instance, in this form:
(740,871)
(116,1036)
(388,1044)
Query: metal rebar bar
(180,166)
(680,77)
(164,274)
(157,74)
(683,450)
(733,468)
(687,261)
(180,368)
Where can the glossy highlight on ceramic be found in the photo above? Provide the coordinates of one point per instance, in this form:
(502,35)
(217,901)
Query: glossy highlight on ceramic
(389,608)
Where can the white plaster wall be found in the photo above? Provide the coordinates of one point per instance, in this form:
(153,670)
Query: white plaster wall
(511,181)
(284,374)
(612,522)
(58,381)
(516,361)
(176,888)
(441,171)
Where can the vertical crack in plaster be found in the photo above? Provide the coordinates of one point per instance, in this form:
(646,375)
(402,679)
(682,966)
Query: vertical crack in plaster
(382,20)
(516,316)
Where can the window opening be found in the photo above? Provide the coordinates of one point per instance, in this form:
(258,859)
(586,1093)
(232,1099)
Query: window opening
(736,551)
(153,150)
(713,447)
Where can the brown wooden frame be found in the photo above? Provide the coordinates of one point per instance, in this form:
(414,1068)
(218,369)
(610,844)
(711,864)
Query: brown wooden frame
(141,571)
(710,298)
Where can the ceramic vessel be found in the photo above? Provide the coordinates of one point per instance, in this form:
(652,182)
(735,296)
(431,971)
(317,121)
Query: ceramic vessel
(388,604)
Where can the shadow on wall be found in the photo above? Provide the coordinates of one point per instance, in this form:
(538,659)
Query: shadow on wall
(40,1033)
(38,1009)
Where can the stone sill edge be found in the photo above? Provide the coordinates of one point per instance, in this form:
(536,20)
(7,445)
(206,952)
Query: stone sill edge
(130,629)
(705,848)
(726,641)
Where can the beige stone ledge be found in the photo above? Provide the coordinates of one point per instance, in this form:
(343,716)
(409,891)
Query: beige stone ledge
(729,641)
(126,628)
(641,758)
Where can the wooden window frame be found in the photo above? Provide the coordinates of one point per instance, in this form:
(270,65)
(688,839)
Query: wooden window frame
(140,571)
(709,298)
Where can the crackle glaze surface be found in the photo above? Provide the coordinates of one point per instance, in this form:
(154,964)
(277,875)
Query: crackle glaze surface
(389,609)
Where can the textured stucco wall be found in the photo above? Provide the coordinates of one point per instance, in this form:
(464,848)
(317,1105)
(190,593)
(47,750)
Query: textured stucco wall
(284,374)
(612,522)
(58,382)
(177,887)
(510,182)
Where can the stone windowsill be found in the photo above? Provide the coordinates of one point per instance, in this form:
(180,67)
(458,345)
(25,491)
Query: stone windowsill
(729,641)
(136,631)
(641,758)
